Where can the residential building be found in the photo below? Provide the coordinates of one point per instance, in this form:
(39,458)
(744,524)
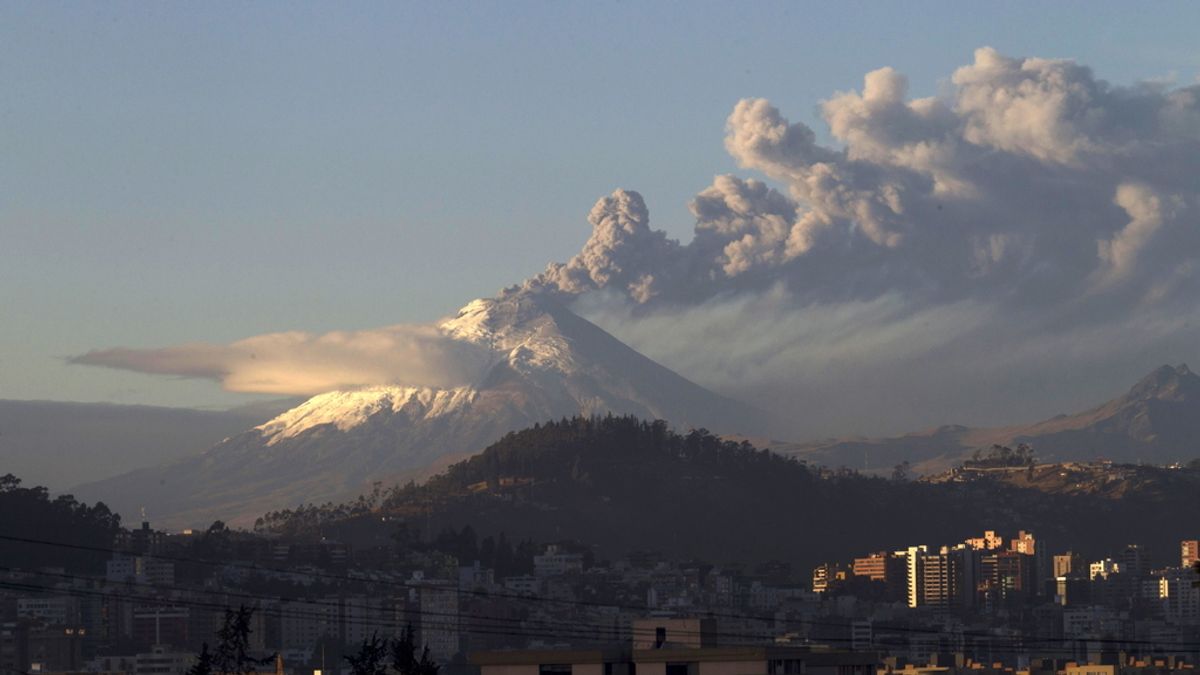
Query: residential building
(1069,564)
(913,574)
(827,576)
(556,562)
(165,625)
(947,579)
(54,648)
(1180,596)
(55,610)
(1189,552)
(655,633)
(161,660)
(990,541)
(1102,569)
(694,661)
(439,619)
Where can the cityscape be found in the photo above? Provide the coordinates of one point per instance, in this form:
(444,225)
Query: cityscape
(623,337)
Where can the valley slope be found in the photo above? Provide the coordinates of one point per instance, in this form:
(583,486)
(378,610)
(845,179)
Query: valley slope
(542,362)
(1157,421)
(621,485)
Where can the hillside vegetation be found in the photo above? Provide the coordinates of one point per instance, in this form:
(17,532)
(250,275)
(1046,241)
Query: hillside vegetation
(619,484)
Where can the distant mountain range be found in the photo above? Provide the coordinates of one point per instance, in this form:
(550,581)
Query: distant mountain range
(619,485)
(545,363)
(542,363)
(1157,421)
(59,444)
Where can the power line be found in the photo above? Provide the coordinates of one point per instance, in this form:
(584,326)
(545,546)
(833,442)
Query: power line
(991,644)
(526,598)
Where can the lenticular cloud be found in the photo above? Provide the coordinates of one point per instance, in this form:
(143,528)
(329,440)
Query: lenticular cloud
(299,363)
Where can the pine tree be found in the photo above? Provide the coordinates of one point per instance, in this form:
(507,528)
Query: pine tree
(371,658)
(204,662)
(232,656)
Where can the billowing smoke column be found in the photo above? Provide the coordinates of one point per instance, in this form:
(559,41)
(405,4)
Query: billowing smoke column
(1030,180)
(1028,240)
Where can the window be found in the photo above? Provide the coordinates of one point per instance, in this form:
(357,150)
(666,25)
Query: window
(679,668)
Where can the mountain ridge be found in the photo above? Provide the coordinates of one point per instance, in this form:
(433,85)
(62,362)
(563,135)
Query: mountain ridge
(1156,420)
(538,361)
(620,485)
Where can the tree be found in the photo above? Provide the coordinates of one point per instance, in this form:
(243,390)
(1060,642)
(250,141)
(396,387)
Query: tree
(371,658)
(900,473)
(204,662)
(427,666)
(404,656)
(232,655)
(404,652)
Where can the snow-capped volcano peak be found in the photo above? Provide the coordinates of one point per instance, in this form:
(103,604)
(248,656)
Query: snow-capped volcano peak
(345,410)
(515,329)
(518,327)
(530,360)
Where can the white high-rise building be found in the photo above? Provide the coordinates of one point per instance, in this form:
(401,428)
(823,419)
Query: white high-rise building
(914,566)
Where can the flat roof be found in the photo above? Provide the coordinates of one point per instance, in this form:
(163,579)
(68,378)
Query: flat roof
(753,653)
(515,657)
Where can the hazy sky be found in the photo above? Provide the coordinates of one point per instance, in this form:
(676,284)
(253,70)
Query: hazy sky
(180,173)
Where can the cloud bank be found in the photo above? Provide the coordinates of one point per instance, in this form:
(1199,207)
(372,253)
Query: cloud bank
(1027,239)
(298,363)
(974,256)
(1028,179)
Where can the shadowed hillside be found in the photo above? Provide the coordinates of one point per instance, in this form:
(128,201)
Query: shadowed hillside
(1156,421)
(619,484)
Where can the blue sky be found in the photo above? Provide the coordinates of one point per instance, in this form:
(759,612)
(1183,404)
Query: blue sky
(205,172)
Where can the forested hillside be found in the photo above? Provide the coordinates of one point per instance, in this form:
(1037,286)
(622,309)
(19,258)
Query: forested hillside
(619,484)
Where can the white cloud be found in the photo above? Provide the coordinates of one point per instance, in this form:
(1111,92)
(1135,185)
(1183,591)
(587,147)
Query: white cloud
(1029,222)
(298,363)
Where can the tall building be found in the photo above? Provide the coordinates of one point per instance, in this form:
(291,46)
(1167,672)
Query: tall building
(1103,568)
(1135,562)
(1024,543)
(941,580)
(873,567)
(1007,576)
(555,561)
(988,542)
(54,610)
(367,616)
(1069,564)
(1189,552)
(159,625)
(54,648)
(673,633)
(885,567)
(1180,596)
(913,573)
(439,622)
(303,623)
(140,570)
(828,576)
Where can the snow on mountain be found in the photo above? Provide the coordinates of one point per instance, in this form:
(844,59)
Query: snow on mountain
(345,410)
(541,362)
